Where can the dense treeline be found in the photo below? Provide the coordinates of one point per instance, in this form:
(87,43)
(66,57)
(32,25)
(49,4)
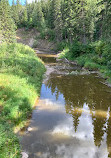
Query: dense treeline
(84,20)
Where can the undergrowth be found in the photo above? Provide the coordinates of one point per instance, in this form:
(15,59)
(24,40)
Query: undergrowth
(93,56)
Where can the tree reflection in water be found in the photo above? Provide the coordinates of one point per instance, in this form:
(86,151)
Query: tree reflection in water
(80,90)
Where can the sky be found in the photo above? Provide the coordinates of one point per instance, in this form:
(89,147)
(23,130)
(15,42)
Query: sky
(21,1)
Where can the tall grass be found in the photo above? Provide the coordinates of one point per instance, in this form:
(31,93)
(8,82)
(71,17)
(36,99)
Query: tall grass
(20,82)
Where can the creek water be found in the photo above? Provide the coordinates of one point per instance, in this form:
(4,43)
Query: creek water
(73,116)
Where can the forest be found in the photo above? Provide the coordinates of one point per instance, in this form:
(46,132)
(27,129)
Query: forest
(81,30)
(63,20)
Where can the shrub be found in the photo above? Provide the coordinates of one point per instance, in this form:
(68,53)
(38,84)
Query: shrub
(82,60)
(47,34)
(109,64)
(64,53)
(99,46)
(78,49)
(62,45)
(91,65)
(35,44)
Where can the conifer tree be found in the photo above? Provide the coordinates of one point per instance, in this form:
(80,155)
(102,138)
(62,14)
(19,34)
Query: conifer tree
(24,20)
(104,19)
(15,13)
(7,25)
(37,16)
(71,19)
(58,20)
(50,17)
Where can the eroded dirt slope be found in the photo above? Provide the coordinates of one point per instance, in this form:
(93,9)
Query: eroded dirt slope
(32,38)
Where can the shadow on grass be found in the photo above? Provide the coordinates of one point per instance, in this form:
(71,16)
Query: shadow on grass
(16,109)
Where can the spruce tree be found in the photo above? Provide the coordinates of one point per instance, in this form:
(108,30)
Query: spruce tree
(70,19)
(104,19)
(58,19)
(24,19)
(37,16)
(7,25)
(50,17)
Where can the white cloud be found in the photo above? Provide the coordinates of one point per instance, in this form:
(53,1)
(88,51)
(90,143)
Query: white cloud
(30,1)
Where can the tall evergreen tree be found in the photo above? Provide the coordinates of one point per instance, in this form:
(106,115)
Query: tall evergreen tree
(58,19)
(7,25)
(50,17)
(24,19)
(37,16)
(105,18)
(70,15)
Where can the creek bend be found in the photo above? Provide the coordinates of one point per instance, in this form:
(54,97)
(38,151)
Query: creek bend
(73,116)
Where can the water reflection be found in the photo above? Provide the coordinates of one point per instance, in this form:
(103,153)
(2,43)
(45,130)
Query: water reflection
(88,101)
(72,119)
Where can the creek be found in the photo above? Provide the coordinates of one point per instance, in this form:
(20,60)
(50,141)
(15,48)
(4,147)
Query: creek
(73,116)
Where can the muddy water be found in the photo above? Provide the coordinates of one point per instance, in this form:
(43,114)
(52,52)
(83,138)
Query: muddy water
(72,118)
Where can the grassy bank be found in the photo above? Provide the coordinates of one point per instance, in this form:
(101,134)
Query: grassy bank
(20,82)
(94,56)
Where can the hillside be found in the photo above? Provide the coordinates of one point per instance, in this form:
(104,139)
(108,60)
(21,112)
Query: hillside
(32,38)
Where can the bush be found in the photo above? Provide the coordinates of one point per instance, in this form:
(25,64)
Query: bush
(99,60)
(77,49)
(47,34)
(91,65)
(81,60)
(109,64)
(94,56)
(62,45)
(99,46)
(107,51)
(64,53)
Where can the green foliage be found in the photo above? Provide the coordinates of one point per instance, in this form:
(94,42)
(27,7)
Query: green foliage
(99,45)
(81,60)
(37,16)
(20,82)
(58,22)
(91,65)
(9,142)
(93,56)
(24,19)
(7,26)
(109,64)
(76,49)
(47,34)
(62,45)
(64,53)
(84,20)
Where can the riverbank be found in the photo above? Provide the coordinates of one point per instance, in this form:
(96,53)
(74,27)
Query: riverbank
(21,74)
(93,57)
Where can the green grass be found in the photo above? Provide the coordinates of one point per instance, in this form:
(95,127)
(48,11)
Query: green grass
(21,74)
